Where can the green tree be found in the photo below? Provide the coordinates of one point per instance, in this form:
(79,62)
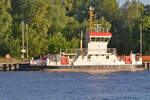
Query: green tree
(37,44)
(132,11)
(57,16)
(57,42)
(39,21)
(105,24)
(72,29)
(5,25)
(145,22)
(106,8)
(15,40)
(75,43)
(122,27)
(34,13)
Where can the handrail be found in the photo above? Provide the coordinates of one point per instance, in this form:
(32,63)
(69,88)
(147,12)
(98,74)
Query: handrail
(78,51)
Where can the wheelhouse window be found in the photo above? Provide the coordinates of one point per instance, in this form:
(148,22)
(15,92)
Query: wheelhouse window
(106,39)
(98,39)
(102,39)
(92,39)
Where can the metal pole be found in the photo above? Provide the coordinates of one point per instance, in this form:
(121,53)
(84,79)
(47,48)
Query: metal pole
(22,39)
(81,41)
(27,33)
(140,40)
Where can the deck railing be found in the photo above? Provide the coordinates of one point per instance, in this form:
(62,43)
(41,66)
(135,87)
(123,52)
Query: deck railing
(84,51)
(99,29)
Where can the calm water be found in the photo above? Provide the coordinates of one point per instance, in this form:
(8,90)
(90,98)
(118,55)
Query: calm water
(74,86)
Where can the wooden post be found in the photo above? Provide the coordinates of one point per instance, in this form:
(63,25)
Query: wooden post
(145,65)
(17,66)
(12,67)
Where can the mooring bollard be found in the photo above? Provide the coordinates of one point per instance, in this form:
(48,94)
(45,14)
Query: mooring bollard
(17,66)
(12,67)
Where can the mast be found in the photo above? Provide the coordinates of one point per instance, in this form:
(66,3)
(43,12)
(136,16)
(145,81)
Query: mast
(92,17)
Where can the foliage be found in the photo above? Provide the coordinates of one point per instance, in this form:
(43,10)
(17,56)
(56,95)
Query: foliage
(57,42)
(5,26)
(75,43)
(104,23)
(57,24)
(145,23)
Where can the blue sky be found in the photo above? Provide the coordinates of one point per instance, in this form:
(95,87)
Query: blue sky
(143,1)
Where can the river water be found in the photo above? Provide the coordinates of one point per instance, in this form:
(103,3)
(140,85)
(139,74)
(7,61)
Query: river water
(74,86)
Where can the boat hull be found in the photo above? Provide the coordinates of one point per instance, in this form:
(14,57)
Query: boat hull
(92,67)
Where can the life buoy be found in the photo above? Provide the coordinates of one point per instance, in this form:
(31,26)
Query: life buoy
(128,60)
(64,61)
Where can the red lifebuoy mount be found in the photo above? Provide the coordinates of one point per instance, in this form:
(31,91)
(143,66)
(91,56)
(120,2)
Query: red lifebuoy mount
(64,61)
(128,60)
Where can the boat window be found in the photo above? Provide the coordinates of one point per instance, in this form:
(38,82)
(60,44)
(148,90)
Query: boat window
(93,39)
(98,39)
(102,39)
(107,57)
(89,57)
(106,39)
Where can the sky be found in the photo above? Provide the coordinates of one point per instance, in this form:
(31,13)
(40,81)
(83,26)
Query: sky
(143,1)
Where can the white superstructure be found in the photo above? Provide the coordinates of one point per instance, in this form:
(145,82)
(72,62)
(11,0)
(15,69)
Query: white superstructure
(96,54)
